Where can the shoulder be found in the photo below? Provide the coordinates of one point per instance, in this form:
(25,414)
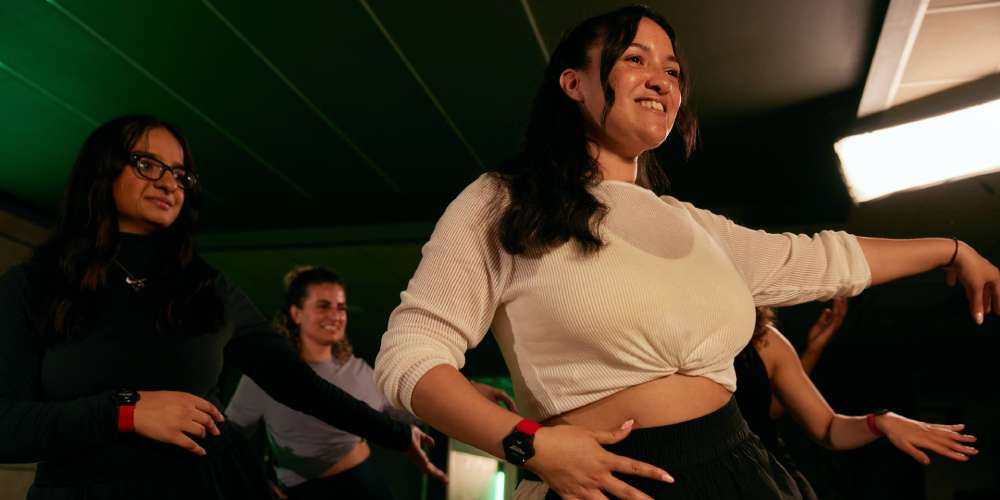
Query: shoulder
(487,184)
(359,363)
(702,216)
(486,193)
(476,210)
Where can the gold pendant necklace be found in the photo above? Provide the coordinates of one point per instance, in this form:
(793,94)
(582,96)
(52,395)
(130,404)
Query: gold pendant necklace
(136,284)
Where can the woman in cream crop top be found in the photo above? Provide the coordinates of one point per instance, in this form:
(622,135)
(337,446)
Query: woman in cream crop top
(596,288)
(672,291)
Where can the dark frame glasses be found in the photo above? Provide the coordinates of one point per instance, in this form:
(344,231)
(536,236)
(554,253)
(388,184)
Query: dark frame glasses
(152,169)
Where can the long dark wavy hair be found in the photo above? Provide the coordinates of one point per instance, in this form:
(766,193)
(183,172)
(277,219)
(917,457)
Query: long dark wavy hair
(85,241)
(297,283)
(548,179)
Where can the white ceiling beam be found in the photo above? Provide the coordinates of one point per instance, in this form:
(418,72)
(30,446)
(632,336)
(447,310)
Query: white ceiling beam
(899,32)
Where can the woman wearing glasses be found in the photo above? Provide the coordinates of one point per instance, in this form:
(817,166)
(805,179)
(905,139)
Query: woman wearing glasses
(114,334)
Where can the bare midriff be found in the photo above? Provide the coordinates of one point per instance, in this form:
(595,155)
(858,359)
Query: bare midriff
(358,454)
(664,401)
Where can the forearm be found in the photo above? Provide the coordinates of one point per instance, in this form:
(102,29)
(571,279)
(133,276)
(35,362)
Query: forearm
(810,358)
(847,433)
(446,400)
(277,369)
(891,259)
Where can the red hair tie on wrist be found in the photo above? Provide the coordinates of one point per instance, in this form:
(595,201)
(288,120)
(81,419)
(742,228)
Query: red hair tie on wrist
(870,420)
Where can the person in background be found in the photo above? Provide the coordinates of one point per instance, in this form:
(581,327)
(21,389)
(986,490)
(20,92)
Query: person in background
(772,378)
(314,460)
(114,333)
(618,311)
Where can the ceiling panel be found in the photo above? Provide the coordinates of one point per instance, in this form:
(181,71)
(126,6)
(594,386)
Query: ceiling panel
(338,58)
(912,92)
(480,59)
(935,4)
(223,80)
(33,143)
(60,62)
(956,45)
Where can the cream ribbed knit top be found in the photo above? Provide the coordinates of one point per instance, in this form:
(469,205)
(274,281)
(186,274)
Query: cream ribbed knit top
(672,291)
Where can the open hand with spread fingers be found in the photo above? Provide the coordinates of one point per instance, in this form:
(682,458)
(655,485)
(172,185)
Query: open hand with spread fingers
(912,436)
(174,417)
(418,456)
(827,324)
(575,465)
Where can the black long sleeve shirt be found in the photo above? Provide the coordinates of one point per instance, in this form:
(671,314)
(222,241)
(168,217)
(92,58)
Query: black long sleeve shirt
(56,402)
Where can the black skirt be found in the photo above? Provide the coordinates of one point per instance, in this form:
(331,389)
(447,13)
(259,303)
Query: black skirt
(711,457)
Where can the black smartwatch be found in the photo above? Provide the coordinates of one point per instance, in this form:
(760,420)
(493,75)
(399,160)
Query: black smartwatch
(518,446)
(125,400)
(125,397)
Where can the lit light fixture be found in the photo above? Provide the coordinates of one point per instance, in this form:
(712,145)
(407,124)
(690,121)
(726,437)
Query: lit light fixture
(498,484)
(922,153)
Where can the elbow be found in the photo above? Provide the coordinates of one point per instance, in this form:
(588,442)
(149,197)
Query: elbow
(387,380)
(823,435)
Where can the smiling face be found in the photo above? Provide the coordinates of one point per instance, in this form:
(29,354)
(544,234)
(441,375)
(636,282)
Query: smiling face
(145,206)
(322,319)
(647,95)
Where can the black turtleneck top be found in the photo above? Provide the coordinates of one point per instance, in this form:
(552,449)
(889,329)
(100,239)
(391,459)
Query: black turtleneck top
(56,402)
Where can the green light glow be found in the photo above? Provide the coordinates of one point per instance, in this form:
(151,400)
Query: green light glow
(498,484)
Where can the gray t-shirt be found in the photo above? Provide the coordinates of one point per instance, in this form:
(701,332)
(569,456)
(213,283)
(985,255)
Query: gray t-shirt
(302,446)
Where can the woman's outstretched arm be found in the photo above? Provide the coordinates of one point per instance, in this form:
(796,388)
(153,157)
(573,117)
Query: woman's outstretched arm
(842,432)
(892,259)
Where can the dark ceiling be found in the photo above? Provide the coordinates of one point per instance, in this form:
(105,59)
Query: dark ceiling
(320,114)
(336,132)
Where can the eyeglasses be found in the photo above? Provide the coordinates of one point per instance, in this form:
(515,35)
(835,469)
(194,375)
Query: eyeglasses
(153,169)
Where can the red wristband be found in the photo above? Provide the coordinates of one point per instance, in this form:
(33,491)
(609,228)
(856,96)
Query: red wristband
(529,427)
(870,420)
(126,418)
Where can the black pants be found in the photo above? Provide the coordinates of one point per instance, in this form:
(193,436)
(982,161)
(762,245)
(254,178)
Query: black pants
(712,457)
(361,481)
(150,470)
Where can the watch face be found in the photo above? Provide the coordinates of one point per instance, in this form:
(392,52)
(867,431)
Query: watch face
(126,397)
(518,448)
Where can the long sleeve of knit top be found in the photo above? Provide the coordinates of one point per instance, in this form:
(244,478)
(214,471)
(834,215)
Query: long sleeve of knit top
(672,290)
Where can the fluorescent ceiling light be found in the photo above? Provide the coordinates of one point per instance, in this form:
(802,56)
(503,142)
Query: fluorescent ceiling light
(923,153)
(498,485)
